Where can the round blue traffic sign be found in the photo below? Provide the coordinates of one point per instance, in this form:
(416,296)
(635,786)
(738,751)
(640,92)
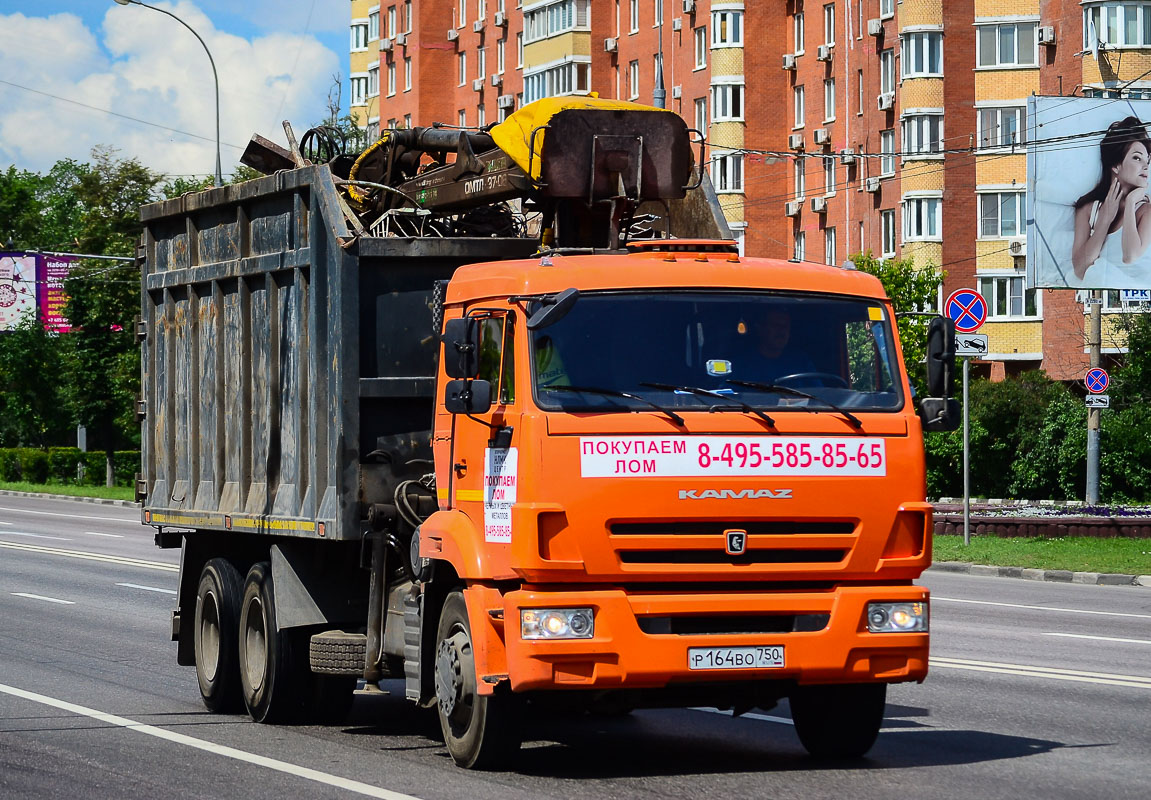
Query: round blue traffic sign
(967,309)
(1097,380)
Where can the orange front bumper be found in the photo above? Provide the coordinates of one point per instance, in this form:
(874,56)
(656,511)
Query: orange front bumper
(621,655)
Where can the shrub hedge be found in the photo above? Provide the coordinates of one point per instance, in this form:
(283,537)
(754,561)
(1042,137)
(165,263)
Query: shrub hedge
(66,465)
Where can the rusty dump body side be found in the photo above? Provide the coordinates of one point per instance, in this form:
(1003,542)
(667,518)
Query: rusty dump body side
(287,381)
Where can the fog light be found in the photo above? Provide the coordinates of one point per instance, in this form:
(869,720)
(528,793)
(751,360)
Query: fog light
(557,623)
(896,617)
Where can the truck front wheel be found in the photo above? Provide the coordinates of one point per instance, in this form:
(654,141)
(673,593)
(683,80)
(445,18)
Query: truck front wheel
(215,637)
(840,721)
(481,731)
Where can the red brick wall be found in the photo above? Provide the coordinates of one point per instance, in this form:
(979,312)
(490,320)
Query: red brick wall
(960,208)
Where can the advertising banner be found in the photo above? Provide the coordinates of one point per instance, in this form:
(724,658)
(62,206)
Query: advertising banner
(50,274)
(1088,166)
(17,288)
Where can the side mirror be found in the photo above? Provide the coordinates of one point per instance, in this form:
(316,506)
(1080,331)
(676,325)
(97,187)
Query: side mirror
(461,348)
(552,308)
(941,357)
(940,414)
(468,397)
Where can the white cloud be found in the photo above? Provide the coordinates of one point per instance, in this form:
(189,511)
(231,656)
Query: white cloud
(144,64)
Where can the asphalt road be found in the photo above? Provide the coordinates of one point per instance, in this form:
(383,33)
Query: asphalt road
(1036,690)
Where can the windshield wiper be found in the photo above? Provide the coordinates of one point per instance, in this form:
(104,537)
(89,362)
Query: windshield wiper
(674,417)
(775,387)
(698,392)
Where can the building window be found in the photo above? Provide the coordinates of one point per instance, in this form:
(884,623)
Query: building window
(408,74)
(482,63)
(887,223)
(829,174)
(391,22)
(922,134)
(799,33)
(887,71)
(1007,296)
(500,60)
(657,20)
(407,120)
(462,118)
(481,116)
(797,95)
(373,80)
(922,218)
(555,18)
(800,246)
(571,77)
(727,102)
(463,14)
(519,51)
(859,78)
(374,25)
(1002,127)
(829,100)
(633,17)
(358,87)
(1001,214)
(700,35)
(359,36)
(481,11)
(1010,45)
(887,153)
(1118,24)
(726,29)
(391,78)
(829,24)
(727,172)
(829,246)
(462,64)
(701,115)
(408,18)
(633,80)
(800,178)
(922,54)
(886,9)
(656,68)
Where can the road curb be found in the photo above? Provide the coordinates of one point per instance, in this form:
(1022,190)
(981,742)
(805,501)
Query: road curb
(102,501)
(1052,575)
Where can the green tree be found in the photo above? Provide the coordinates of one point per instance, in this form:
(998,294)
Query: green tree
(41,212)
(30,387)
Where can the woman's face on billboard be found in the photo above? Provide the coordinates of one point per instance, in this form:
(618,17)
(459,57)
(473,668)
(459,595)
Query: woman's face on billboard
(1133,170)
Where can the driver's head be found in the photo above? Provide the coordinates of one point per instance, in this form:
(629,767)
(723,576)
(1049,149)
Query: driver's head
(772,331)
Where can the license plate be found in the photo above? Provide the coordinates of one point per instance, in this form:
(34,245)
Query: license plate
(755,657)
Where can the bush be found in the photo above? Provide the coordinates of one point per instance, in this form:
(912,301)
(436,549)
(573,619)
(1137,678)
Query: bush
(64,464)
(9,464)
(61,465)
(33,465)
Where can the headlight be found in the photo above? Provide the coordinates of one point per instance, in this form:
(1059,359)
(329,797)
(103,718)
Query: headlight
(557,623)
(896,617)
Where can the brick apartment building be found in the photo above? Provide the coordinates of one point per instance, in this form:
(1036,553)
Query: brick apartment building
(895,126)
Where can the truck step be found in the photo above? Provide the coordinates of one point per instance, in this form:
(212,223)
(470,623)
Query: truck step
(412,646)
(337,653)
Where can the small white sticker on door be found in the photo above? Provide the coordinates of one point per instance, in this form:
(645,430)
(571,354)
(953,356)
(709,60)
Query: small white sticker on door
(500,478)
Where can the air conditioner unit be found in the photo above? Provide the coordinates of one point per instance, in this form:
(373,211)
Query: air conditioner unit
(506,100)
(1047,34)
(823,53)
(822,136)
(401,39)
(819,205)
(788,61)
(1018,247)
(453,34)
(497,80)
(871,185)
(887,101)
(795,141)
(847,156)
(792,208)
(478,85)
(689,6)
(875,27)
(500,20)
(677,91)
(385,45)
(610,45)
(677,24)
(478,26)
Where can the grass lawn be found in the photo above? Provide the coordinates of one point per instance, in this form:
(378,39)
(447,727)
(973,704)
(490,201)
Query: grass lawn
(1079,554)
(107,493)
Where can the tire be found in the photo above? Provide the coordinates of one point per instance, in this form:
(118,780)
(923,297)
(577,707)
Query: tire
(481,731)
(215,635)
(269,678)
(839,721)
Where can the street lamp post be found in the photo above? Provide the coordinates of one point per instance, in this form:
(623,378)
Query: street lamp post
(215,77)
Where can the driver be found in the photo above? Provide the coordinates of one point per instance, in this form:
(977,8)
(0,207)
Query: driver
(775,355)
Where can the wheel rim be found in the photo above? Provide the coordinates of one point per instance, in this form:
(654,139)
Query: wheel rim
(255,644)
(454,682)
(208,642)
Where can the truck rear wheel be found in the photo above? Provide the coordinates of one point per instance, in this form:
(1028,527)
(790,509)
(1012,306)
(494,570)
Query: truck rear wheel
(839,721)
(481,731)
(215,635)
(266,665)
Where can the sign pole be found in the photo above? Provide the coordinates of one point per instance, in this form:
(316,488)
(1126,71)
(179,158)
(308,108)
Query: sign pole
(966,457)
(1094,341)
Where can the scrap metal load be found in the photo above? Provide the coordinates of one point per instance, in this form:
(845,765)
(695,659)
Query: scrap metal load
(586,166)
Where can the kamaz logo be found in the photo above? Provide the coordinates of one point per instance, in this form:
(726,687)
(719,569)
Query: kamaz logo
(734,494)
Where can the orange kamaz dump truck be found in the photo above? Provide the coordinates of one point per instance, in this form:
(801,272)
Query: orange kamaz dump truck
(502,414)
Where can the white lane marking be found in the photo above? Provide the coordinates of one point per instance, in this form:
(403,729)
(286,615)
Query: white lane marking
(210,747)
(146,588)
(55,551)
(936,598)
(109,535)
(69,516)
(1100,638)
(45,599)
(35,535)
(7,523)
(1078,676)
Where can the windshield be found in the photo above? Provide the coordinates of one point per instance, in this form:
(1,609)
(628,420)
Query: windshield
(666,347)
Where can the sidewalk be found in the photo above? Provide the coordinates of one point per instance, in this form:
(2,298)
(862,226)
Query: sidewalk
(1054,575)
(98,500)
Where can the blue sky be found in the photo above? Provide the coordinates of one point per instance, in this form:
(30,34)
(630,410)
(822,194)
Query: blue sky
(75,74)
